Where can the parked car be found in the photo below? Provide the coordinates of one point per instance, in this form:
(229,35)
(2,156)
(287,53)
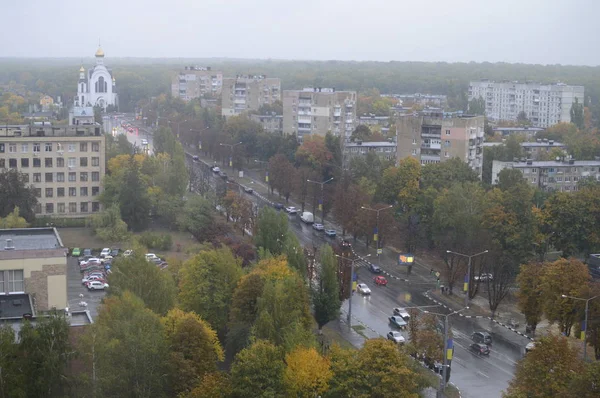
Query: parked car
(291,210)
(482,337)
(318,227)
(216,170)
(380,280)
(114,252)
(330,233)
(397,321)
(97,285)
(396,337)
(530,346)
(248,190)
(374,268)
(87,252)
(307,217)
(402,313)
(157,261)
(480,349)
(89,261)
(484,277)
(151,256)
(363,289)
(76,252)
(91,278)
(195,158)
(105,252)
(127,253)
(277,206)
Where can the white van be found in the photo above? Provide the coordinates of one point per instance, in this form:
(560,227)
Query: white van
(307,217)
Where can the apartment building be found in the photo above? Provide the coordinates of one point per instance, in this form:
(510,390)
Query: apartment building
(372,120)
(272,123)
(433,137)
(33,272)
(195,82)
(536,150)
(422,99)
(384,149)
(64,164)
(528,132)
(544,104)
(248,93)
(318,111)
(553,175)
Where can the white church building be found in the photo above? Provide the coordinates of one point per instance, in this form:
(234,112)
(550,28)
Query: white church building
(97,86)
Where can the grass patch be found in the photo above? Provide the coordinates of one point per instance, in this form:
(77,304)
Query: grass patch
(433,380)
(360,330)
(332,336)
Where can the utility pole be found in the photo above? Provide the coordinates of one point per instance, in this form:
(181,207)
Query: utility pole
(232,146)
(352,261)
(468,278)
(585,323)
(376,232)
(322,204)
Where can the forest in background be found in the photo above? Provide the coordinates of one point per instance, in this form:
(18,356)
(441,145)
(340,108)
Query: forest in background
(140,78)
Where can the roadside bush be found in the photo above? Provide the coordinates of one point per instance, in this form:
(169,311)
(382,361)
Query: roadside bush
(58,222)
(156,241)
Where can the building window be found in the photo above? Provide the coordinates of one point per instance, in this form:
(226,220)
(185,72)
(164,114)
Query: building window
(48,177)
(72,176)
(83,147)
(446,154)
(12,148)
(83,176)
(60,162)
(2,163)
(83,162)
(60,207)
(60,177)
(84,207)
(95,176)
(15,281)
(49,208)
(72,162)
(71,147)
(36,147)
(12,163)
(60,192)
(534,170)
(534,180)
(48,162)
(1,148)
(447,132)
(24,162)
(95,207)
(72,191)
(37,177)
(38,192)
(72,207)
(414,151)
(48,147)
(95,147)
(95,161)
(95,191)
(83,191)
(37,162)
(24,148)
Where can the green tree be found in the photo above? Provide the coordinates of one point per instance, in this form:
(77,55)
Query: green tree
(156,288)
(361,133)
(477,106)
(326,295)
(294,253)
(401,184)
(15,192)
(12,381)
(206,285)
(271,230)
(442,175)
(258,372)
(198,218)
(213,385)
(109,226)
(530,293)
(522,119)
(13,220)
(133,198)
(576,114)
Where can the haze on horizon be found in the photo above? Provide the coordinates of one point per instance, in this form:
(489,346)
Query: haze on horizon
(515,31)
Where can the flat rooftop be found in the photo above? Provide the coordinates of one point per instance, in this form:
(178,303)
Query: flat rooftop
(542,144)
(14,306)
(555,163)
(30,239)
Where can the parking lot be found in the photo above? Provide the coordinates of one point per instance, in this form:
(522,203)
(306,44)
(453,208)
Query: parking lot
(75,288)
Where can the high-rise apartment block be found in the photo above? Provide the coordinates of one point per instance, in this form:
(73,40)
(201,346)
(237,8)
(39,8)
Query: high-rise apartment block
(65,165)
(319,110)
(433,137)
(543,104)
(195,82)
(248,93)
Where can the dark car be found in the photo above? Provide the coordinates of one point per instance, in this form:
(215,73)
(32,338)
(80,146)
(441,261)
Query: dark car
(277,206)
(374,268)
(115,252)
(346,243)
(482,337)
(195,158)
(248,190)
(87,252)
(480,349)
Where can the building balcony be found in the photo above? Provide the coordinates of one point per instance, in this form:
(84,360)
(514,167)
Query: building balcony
(337,113)
(431,135)
(306,120)
(430,157)
(431,146)
(304,129)
(304,112)
(349,121)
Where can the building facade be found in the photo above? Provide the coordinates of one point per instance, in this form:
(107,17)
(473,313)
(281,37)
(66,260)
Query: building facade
(433,137)
(97,87)
(384,149)
(271,123)
(64,164)
(544,104)
(318,111)
(528,132)
(33,271)
(248,93)
(422,99)
(550,176)
(372,120)
(195,82)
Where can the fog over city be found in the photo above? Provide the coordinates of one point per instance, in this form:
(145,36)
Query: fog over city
(516,31)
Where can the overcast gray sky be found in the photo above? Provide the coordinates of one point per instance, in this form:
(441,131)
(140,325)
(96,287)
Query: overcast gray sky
(529,31)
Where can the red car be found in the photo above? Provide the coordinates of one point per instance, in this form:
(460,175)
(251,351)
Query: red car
(380,280)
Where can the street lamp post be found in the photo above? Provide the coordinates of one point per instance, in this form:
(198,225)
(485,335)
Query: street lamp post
(178,124)
(468,281)
(200,138)
(322,204)
(585,328)
(266,168)
(232,146)
(352,261)
(376,234)
(442,388)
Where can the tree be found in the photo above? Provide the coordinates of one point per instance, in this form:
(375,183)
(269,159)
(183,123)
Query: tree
(213,385)
(13,220)
(281,171)
(14,192)
(546,371)
(198,218)
(314,153)
(576,114)
(194,349)
(156,288)
(403,184)
(12,382)
(206,285)
(109,226)
(522,119)
(258,372)
(307,373)
(530,293)
(444,174)
(126,347)
(271,229)
(477,106)
(502,269)
(326,295)
(360,133)
(295,255)
(379,369)
(133,198)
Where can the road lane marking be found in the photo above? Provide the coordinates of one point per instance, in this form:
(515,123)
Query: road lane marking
(482,374)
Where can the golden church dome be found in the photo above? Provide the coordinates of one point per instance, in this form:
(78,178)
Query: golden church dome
(100,52)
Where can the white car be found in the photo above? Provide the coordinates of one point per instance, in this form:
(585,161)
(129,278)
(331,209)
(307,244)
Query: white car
(151,256)
(127,253)
(216,169)
(485,277)
(90,260)
(291,210)
(402,312)
(144,142)
(97,285)
(318,227)
(396,337)
(92,277)
(105,252)
(363,289)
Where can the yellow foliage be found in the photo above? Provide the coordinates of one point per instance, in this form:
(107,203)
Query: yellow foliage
(307,373)
(120,162)
(13,220)
(274,269)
